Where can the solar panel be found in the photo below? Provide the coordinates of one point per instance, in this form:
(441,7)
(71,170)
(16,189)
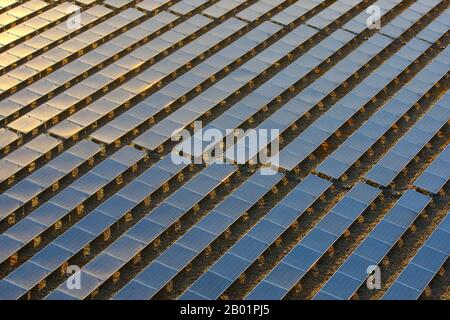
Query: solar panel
(315,244)
(358,143)
(436,175)
(92,91)
(235,261)
(352,273)
(196,239)
(385,170)
(423,267)
(300,148)
(150,227)
(69,199)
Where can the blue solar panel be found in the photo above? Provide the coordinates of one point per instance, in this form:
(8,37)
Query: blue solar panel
(436,175)
(375,246)
(153,224)
(423,267)
(196,239)
(262,235)
(86,169)
(385,171)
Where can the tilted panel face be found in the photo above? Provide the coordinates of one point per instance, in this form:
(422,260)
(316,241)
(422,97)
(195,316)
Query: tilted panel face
(223,149)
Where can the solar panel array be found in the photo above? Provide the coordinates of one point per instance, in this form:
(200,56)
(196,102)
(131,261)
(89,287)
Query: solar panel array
(92,91)
(423,267)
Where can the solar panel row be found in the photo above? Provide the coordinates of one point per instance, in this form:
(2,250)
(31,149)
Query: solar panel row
(237,259)
(398,157)
(49,176)
(70,199)
(177,90)
(424,266)
(353,272)
(288,272)
(437,174)
(377,125)
(164,268)
(50,258)
(138,237)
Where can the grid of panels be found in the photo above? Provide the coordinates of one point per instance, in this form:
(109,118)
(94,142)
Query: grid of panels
(79,235)
(147,230)
(309,140)
(21,101)
(133,66)
(424,266)
(25,157)
(26,49)
(178,88)
(14,15)
(153,75)
(353,272)
(74,47)
(436,28)
(246,251)
(49,176)
(258,99)
(385,170)
(60,103)
(164,268)
(437,174)
(30,27)
(378,124)
(69,199)
(303,145)
(409,17)
(309,97)
(315,244)
(163,130)
(240,77)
